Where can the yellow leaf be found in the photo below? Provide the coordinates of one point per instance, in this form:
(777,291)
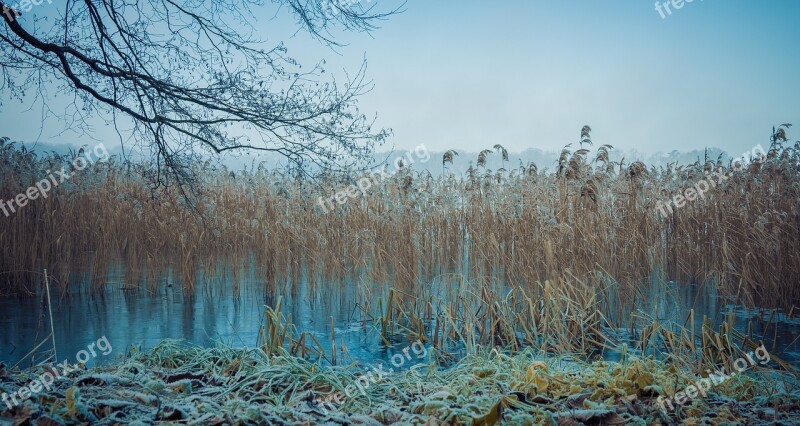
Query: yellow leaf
(643,380)
(491,418)
(541,383)
(534,368)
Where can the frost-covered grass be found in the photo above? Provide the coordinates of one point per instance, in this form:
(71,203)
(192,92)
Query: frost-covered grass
(190,385)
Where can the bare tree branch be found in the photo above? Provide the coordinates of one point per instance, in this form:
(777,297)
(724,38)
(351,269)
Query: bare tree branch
(190,76)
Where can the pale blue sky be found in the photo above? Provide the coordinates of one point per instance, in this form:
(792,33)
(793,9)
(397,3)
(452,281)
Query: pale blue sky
(529,74)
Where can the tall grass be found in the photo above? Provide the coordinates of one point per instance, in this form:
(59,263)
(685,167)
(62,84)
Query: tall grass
(587,219)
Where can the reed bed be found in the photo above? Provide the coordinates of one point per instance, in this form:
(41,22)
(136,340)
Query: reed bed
(460,318)
(523,258)
(523,226)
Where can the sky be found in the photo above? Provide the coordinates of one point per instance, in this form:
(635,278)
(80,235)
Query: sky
(466,74)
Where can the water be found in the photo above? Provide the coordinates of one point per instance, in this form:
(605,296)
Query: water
(142,319)
(218,314)
(672,302)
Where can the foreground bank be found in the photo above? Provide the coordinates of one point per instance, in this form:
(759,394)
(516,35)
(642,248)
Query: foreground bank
(190,385)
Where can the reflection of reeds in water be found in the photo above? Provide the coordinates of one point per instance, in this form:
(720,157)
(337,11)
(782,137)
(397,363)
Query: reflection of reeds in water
(462,317)
(523,226)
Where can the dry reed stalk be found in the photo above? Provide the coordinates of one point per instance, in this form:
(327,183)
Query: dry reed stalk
(50,314)
(333,342)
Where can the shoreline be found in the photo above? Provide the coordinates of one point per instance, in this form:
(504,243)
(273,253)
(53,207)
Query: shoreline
(185,384)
